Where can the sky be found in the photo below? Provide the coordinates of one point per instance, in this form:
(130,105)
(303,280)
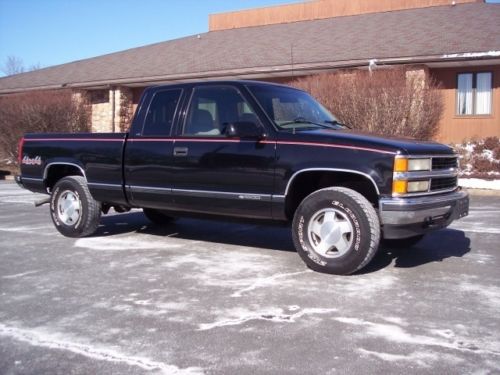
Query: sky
(51,32)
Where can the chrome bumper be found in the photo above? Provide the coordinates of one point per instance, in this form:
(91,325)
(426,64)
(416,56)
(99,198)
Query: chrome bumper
(406,217)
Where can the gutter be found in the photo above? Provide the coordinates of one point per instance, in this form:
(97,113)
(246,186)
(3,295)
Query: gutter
(277,69)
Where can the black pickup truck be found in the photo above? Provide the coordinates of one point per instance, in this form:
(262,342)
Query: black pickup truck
(250,150)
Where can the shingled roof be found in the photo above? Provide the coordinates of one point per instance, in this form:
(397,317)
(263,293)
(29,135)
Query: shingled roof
(419,35)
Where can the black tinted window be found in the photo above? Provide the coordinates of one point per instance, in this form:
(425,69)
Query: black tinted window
(161,113)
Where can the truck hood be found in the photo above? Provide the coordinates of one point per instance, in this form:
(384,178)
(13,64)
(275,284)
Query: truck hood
(365,139)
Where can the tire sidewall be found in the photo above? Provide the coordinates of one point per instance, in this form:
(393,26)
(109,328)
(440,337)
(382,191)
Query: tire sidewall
(78,228)
(360,245)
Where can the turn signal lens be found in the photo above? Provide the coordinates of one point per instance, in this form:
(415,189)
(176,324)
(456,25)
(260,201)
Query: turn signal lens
(400,165)
(399,187)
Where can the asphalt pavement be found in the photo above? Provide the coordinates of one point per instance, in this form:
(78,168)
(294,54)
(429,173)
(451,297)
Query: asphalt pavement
(209,297)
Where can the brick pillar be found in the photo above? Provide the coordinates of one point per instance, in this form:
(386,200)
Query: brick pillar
(124,108)
(112,109)
(101,117)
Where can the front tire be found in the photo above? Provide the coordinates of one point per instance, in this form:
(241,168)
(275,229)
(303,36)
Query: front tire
(336,230)
(74,212)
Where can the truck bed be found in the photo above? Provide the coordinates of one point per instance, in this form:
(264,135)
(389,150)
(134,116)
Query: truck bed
(98,156)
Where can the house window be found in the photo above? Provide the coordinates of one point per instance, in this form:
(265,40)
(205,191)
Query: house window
(474,93)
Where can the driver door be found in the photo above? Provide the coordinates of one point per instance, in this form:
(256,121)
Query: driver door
(217,174)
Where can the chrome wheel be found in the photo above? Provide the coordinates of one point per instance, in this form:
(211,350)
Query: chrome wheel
(69,207)
(330,233)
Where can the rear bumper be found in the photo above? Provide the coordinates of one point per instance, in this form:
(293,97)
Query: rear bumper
(407,217)
(19,181)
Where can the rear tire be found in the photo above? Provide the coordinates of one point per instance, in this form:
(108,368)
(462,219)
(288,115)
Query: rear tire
(157,217)
(74,212)
(336,230)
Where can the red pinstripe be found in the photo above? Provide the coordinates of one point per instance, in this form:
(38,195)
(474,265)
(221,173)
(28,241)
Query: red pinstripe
(215,140)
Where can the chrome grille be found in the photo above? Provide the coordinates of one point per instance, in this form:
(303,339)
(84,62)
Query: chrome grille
(439,163)
(443,183)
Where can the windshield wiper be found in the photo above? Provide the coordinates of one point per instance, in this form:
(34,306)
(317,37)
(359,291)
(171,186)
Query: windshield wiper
(302,120)
(326,125)
(335,122)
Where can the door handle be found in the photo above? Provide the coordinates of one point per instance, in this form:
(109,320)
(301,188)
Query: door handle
(180,151)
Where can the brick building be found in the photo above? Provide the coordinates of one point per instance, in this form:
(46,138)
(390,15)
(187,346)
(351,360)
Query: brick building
(456,42)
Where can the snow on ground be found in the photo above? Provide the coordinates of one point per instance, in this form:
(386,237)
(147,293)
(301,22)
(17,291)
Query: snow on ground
(479,183)
(52,340)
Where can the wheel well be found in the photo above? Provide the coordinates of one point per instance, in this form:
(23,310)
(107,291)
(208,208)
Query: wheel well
(58,171)
(308,182)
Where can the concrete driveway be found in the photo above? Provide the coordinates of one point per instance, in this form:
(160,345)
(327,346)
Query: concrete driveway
(201,297)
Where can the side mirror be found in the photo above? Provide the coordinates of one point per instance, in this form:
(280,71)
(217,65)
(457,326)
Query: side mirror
(245,129)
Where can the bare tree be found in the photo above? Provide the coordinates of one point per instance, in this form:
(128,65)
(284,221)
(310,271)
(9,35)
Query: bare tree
(39,112)
(12,65)
(35,67)
(389,101)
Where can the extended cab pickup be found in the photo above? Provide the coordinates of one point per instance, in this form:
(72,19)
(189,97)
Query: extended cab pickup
(250,150)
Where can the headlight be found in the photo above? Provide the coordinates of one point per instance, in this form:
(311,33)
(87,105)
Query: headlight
(412,165)
(419,165)
(418,186)
(404,187)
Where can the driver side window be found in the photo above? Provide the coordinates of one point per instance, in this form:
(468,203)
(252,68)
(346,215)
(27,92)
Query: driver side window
(212,108)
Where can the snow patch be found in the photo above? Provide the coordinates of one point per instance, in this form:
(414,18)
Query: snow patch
(476,226)
(488,294)
(45,230)
(266,282)
(421,359)
(276,315)
(147,308)
(397,334)
(135,242)
(19,275)
(224,269)
(395,320)
(365,286)
(471,54)
(477,183)
(42,338)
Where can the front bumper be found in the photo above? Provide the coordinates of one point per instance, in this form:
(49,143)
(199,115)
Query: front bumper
(407,217)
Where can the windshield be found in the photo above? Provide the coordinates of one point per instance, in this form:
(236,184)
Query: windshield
(292,109)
